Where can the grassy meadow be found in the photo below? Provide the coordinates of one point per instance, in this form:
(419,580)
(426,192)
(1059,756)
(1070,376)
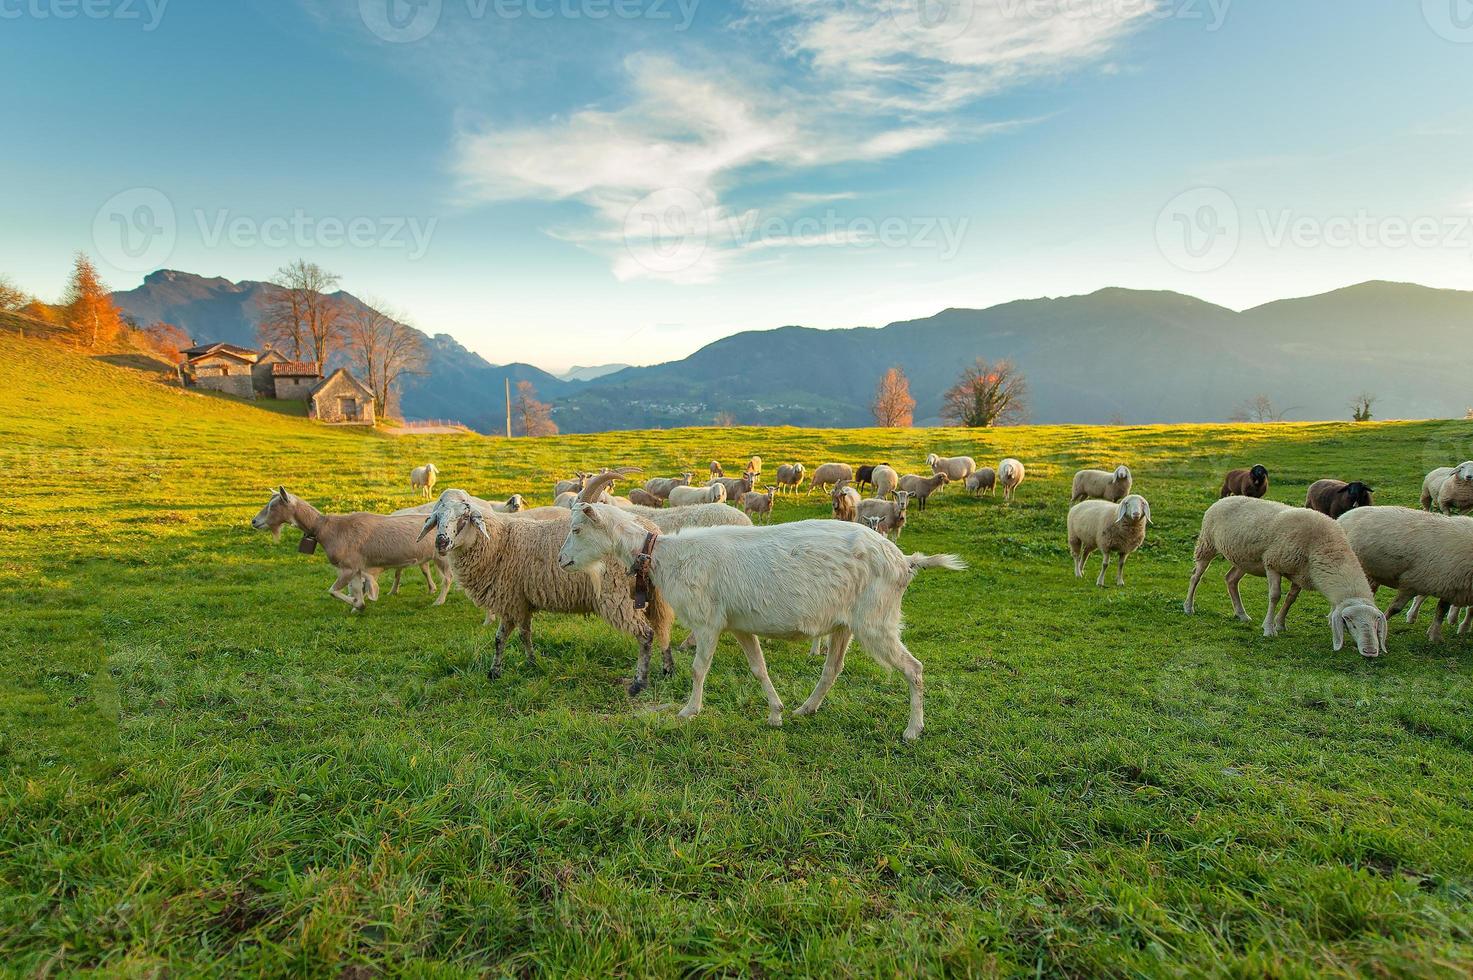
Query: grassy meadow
(210,766)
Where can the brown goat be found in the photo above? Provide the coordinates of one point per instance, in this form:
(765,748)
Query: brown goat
(1245,483)
(1335,497)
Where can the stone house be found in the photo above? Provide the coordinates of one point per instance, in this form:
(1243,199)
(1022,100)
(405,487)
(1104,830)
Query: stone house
(295,379)
(261,375)
(222,367)
(341,398)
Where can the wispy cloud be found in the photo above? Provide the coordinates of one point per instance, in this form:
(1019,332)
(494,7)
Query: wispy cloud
(867,80)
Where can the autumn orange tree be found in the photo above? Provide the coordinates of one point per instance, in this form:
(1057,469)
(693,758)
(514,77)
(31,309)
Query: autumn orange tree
(531,417)
(90,311)
(986,394)
(893,406)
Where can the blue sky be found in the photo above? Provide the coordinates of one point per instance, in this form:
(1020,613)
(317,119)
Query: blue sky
(581,181)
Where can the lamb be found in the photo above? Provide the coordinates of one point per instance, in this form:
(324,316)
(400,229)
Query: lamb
(661,486)
(1276,541)
(1335,497)
(790,476)
(685,496)
(509,568)
(865,475)
(569,486)
(1245,483)
(885,516)
(984,480)
(422,479)
(802,579)
(921,488)
(358,545)
(715,469)
(1109,528)
(1102,485)
(752,502)
(1010,475)
(829,474)
(885,480)
(641,497)
(956,468)
(1416,553)
(1449,488)
(846,502)
(736,485)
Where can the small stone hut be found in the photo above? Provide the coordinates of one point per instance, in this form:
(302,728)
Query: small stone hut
(342,399)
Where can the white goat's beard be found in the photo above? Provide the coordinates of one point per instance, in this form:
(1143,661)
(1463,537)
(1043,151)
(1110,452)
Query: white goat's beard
(595,575)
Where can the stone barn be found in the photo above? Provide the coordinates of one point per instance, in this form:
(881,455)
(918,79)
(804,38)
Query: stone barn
(341,398)
(295,379)
(261,375)
(222,367)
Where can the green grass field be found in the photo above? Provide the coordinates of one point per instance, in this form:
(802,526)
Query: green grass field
(211,767)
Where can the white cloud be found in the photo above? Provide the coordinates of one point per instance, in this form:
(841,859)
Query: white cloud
(866,80)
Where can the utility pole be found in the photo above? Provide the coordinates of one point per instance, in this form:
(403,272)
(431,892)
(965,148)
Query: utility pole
(508,406)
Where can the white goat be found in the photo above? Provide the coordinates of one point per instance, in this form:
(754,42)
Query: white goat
(804,579)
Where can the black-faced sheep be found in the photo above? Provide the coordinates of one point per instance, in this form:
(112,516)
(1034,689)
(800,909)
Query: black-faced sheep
(1335,497)
(1245,483)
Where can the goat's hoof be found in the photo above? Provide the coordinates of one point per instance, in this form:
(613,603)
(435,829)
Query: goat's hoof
(493,674)
(1243,618)
(635,687)
(775,718)
(912,733)
(688,712)
(805,709)
(668,670)
(1188,608)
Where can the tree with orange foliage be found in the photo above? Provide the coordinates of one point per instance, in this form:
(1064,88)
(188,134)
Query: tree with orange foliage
(893,406)
(987,394)
(90,310)
(531,417)
(167,339)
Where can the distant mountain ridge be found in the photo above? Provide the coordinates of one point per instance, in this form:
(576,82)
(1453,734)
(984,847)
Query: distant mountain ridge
(1116,354)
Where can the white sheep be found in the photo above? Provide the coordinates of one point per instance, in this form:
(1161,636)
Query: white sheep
(754,466)
(803,579)
(830,474)
(1449,488)
(1010,475)
(1102,485)
(661,486)
(956,468)
(1416,553)
(1109,528)
(1276,541)
(982,481)
(358,545)
(790,476)
(885,479)
(715,468)
(422,479)
(685,496)
(508,567)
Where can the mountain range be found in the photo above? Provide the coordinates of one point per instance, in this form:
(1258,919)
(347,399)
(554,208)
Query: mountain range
(1113,355)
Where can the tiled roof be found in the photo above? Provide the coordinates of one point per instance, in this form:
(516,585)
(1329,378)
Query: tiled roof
(296,369)
(204,350)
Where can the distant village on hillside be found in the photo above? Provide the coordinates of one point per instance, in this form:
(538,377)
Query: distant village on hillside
(339,398)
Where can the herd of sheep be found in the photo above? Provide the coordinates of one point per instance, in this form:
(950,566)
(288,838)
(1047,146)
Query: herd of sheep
(672,549)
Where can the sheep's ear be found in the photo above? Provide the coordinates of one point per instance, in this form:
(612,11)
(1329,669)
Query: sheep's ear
(430,522)
(1381,627)
(1337,628)
(1147,504)
(1120,512)
(479,520)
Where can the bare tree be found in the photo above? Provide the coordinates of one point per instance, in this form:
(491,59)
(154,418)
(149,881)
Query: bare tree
(1259,408)
(298,315)
(529,416)
(724,420)
(1361,408)
(384,350)
(893,406)
(12,297)
(987,394)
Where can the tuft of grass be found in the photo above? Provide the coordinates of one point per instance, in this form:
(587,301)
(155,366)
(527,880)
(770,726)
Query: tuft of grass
(207,765)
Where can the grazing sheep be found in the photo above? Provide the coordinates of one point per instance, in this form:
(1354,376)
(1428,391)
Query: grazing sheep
(509,568)
(1335,497)
(1102,485)
(685,496)
(846,502)
(754,466)
(1276,541)
(641,497)
(886,481)
(885,516)
(1109,528)
(790,476)
(1416,553)
(1010,474)
(920,488)
(984,480)
(760,504)
(358,545)
(864,476)
(422,479)
(806,578)
(661,486)
(830,474)
(956,468)
(569,486)
(736,485)
(715,469)
(1245,483)
(512,504)
(1449,488)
